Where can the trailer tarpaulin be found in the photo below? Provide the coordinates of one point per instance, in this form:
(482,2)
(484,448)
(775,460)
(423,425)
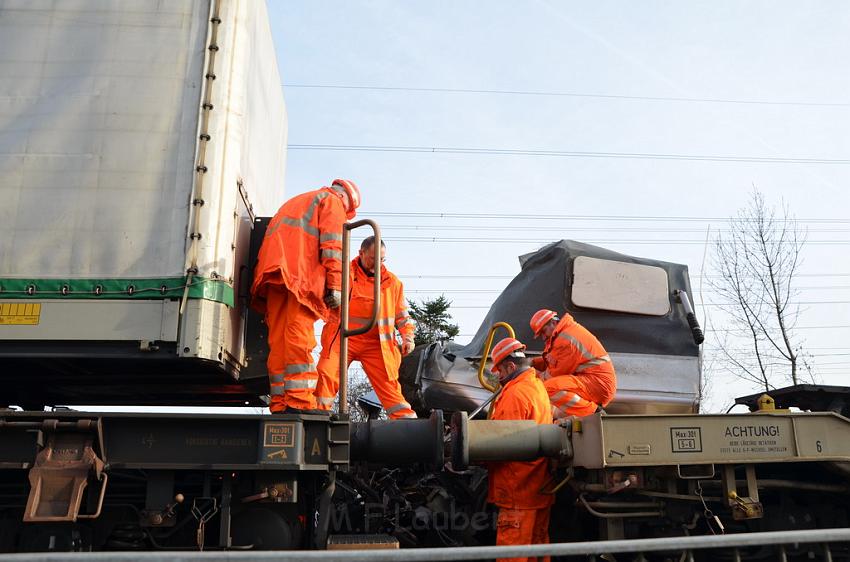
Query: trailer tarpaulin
(656,359)
(100,118)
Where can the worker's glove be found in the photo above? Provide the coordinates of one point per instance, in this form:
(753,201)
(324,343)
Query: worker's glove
(333,298)
(407,346)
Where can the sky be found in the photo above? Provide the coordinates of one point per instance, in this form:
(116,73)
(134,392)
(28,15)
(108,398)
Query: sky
(639,127)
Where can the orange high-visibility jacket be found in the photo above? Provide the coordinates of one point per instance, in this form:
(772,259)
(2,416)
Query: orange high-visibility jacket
(573,350)
(392,316)
(303,250)
(516,485)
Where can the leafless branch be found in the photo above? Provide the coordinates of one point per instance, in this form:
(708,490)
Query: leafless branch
(757,261)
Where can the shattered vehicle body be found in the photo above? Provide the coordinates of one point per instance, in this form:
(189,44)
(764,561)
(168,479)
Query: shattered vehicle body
(629,303)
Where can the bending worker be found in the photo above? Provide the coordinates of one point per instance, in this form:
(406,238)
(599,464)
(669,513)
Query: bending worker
(515,486)
(298,279)
(576,370)
(377,349)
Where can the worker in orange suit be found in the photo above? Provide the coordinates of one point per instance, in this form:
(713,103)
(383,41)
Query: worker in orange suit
(377,350)
(515,487)
(298,279)
(576,370)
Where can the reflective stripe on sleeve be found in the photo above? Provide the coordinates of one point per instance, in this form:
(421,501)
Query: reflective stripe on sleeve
(325,400)
(331,254)
(276,390)
(276,378)
(327,236)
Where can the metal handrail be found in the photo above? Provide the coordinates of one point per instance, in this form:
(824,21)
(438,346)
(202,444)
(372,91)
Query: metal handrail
(344,332)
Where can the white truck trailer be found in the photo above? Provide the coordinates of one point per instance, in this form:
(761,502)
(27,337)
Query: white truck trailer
(135,138)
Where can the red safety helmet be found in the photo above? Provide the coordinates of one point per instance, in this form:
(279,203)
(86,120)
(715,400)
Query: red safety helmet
(506,348)
(540,319)
(353,196)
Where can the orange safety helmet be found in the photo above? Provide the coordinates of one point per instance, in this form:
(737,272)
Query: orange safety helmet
(506,348)
(540,319)
(353,196)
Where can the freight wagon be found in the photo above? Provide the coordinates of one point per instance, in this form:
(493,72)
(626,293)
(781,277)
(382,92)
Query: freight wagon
(136,140)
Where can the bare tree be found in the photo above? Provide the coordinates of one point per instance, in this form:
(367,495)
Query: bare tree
(756,261)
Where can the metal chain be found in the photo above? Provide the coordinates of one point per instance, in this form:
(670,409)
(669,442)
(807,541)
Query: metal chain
(200,535)
(708,514)
(203,517)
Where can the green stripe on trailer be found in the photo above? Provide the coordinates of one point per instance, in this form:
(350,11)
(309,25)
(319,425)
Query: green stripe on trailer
(148,288)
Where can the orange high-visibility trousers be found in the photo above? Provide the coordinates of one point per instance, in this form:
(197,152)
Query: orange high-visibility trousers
(292,372)
(523,526)
(567,394)
(366,349)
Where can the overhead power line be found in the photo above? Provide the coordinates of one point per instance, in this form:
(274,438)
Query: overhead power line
(805,348)
(695,276)
(704,305)
(562,229)
(623,218)
(543,93)
(569,154)
(591,241)
(708,304)
(493,291)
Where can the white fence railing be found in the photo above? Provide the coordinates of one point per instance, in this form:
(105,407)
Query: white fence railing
(684,548)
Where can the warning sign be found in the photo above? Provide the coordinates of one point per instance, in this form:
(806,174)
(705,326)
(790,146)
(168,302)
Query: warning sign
(686,439)
(280,434)
(282,442)
(755,439)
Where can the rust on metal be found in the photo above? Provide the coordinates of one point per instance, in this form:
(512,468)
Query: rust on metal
(60,475)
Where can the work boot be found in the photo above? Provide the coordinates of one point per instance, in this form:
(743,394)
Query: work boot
(303,411)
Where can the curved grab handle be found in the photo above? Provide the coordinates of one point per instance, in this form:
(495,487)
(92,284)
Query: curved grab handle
(344,332)
(488,342)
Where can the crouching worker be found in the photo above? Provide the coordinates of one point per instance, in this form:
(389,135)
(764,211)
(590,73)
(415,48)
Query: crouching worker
(515,486)
(576,370)
(377,349)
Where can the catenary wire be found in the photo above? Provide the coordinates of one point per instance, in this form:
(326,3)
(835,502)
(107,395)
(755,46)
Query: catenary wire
(569,154)
(550,93)
(558,228)
(590,241)
(538,217)
(440,276)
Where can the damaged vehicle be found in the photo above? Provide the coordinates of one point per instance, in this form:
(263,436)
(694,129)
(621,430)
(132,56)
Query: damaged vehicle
(638,308)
